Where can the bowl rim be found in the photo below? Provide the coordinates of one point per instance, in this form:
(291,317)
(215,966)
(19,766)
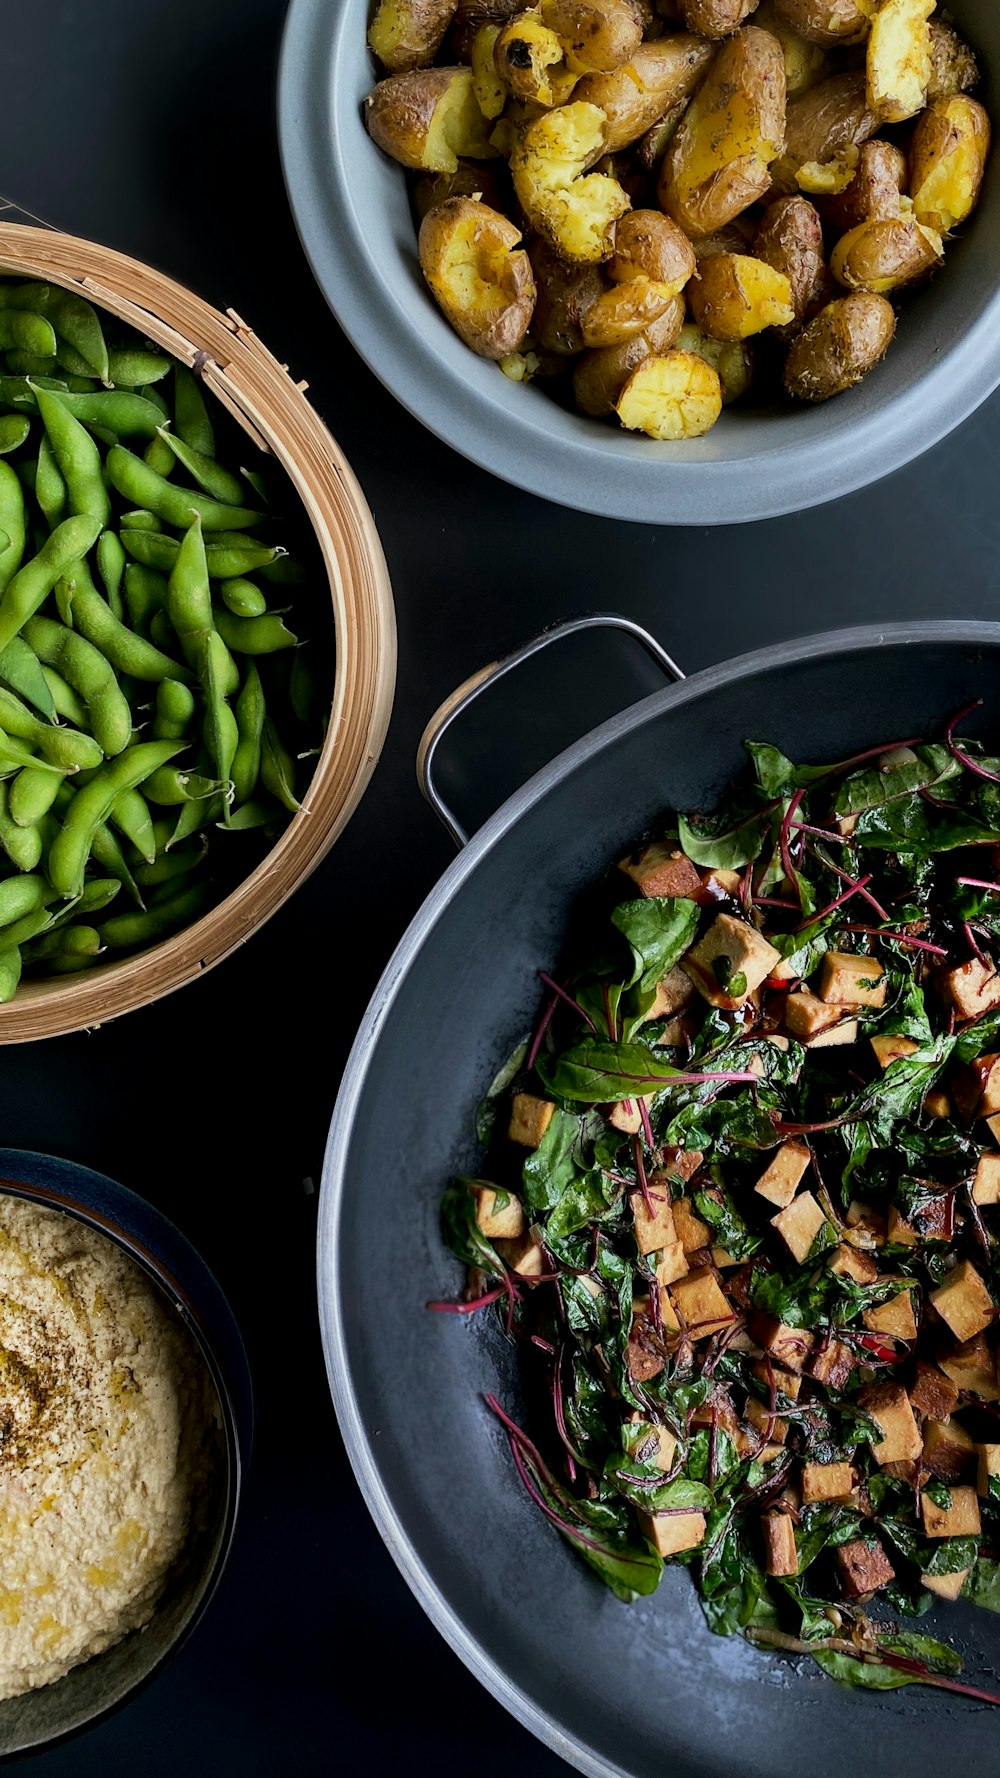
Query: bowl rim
(609,474)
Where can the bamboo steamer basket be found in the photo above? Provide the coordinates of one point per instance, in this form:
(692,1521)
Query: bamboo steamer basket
(272,409)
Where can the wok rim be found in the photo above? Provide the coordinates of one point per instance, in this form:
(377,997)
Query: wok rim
(472,1651)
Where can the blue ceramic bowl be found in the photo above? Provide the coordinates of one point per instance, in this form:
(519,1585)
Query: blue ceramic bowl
(168,1258)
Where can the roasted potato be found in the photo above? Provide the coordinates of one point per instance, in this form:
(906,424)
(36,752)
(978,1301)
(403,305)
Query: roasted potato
(732,360)
(660,76)
(839,347)
(736,237)
(472,15)
(832,23)
(471,179)
(899,57)
(948,156)
(953,65)
(716,18)
(875,192)
(597,36)
(407,34)
(573,209)
(599,377)
(625,310)
(805,62)
(531,62)
(822,124)
(734,296)
(884,255)
(564,295)
(719,161)
(790,239)
(650,148)
(489,88)
(649,245)
(429,118)
(671,397)
(478,274)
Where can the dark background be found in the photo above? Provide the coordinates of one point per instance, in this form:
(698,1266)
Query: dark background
(149,124)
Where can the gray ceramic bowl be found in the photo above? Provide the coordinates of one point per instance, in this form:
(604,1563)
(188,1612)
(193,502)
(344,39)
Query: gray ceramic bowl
(351,207)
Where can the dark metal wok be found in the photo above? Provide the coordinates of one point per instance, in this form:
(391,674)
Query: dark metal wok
(644,1690)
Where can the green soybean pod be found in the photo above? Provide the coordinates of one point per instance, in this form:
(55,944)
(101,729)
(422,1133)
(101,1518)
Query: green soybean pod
(21,932)
(258,812)
(92,805)
(17,392)
(304,692)
(90,674)
(14,432)
(73,318)
(111,568)
(210,476)
(21,331)
(286,570)
(77,455)
(50,488)
(250,713)
(128,653)
(140,520)
(23,845)
(31,364)
(132,367)
(62,747)
(77,940)
(169,787)
(169,866)
(161,634)
(131,816)
(191,418)
(220,732)
(21,672)
(32,583)
(135,481)
(10,973)
(158,456)
(68,963)
(277,768)
(130,931)
(15,753)
(65,593)
(68,704)
(120,412)
(189,601)
(203,812)
(22,895)
(71,363)
(175,708)
(106,851)
(254,635)
(145,593)
(32,794)
(225,561)
(242,598)
(150,392)
(12,522)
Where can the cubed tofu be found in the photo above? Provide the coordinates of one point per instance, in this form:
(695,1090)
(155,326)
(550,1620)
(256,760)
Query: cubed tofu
(851,1262)
(986,1184)
(892,1049)
(644,1355)
(701,1304)
(989,1466)
(730,962)
(672,995)
(846,980)
(722,1258)
(525,1255)
(721,884)
(692,1233)
(650,1444)
(763,1421)
(973,988)
(780,1554)
(831,1363)
(948,1450)
(780,1181)
(626,1116)
(900,1232)
(863,1567)
(786,1383)
(826,1481)
(806,1015)
(947,1586)
(653,1223)
(788,1346)
(964,1302)
(670,1533)
(505,1221)
(671,1264)
(889,1406)
(848,1031)
(895,1316)
(960,1519)
(932,1392)
(529,1119)
(989,1072)
(680,1163)
(993,1125)
(937,1103)
(663,869)
(972,1366)
(677,1030)
(799,1225)
(867,1222)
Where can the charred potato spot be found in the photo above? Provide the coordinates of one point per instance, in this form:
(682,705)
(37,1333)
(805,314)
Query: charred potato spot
(899,57)
(407,34)
(884,255)
(822,125)
(732,360)
(953,65)
(716,18)
(427,119)
(790,239)
(876,190)
(480,280)
(719,161)
(839,347)
(600,376)
(624,310)
(734,296)
(598,36)
(659,77)
(648,245)
(529,59)
(575,210)
(951,145)
(672,397)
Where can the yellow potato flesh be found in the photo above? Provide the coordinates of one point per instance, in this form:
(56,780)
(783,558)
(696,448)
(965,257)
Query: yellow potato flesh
(876,256)
(491,94)
(730,359)
(737,296)
(899,58)
(735,136)
(457,128)
(673,397)
(575,210)
(948,192)
(828,178)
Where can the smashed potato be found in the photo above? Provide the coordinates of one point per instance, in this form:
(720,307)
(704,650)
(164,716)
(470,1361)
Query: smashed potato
(649,245)
(790,239)
(478,275)
(806,62)
(674,397)
(531,62)
(875,192)
(600,376)
(471,179)
(948,157)
(625,310)
(839,346)
(407,34)
(597,36)
(719,161)
(732,360)
(429,118)
(832,23)
(489,88)
(564,295)
(883,255)
(660,76)
(899,57)
(715,18)
(822,126)
(734,296)
(572,208)
(953,66)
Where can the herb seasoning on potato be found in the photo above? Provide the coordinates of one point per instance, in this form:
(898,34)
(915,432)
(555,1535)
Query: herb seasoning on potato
(606,188)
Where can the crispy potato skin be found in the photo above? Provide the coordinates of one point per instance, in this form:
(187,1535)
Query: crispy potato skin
(716,18)
(565,293)
(472,15)
(953,66)
(597,36)
(832,23)
(884,255)
(790,239)
(480,279)
(735,295)
(719,161)
(649,245)
(405,115)
(948,155)
(600,376)
(626,310)
(806,63)
(470,179)
(875,192)
(530,61)
(659,76)
(825,121)
(839,347)
(407,34)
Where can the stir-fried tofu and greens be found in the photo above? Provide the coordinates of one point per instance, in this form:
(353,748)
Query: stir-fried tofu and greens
(742,1207)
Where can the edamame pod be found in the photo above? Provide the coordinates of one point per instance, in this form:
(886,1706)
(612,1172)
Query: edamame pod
(22,844)
(175,708)
(78,941)
(169,787)
(135,481)
(32,794)
(259,812)
(225,561)
(131,816)
(32,583)
(23,895)
(111,568)
(250,713)
(169,866)
(277,767)
(160,457)
(14,754)
(191,420)
(89,673)
(145,593)
(254,635)
(133,368)
(189,601)
(210,476)
(117,411)
(21,672)
(14,430)
(71,316)
(128,653)
(62,747)
(92,805)
(220,732)
(10,973)
(68,704)
(130,931)
(243,599)
(50,488)
(21,331)
(12,523)
(77,455)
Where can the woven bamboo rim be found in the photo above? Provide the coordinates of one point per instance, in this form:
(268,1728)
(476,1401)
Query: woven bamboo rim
(273,410)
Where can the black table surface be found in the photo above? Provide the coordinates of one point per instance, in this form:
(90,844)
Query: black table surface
(150,126)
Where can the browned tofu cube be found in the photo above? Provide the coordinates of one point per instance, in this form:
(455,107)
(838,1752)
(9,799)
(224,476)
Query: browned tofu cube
(826,1481)
(989,1071)
(644,1354)
(806,1015)
(495,1218)
(680,1163)
(973,989)
(780,1181)
(960,1519)
(847,1031)
(892,1049)
(846,980)
(671,1264)
(722,885)
(948,1450)
(730,962)
(654,1223)
(771,1426)
(937,1103)
(863,1567)
(786,1383)
(799,1225)
(722,1258)
(663,869)
(670,1533)
(787,1346)
(973,1367)
(889,1406)
(673,994)
(650,1444)
(895,1316)
(853,1262)
(626,1116)
(900,1232)
(831,1363)
(780,1554)
(993,1125)
(701,1304)
(947,1586)
(529,1119)
(932,1392)
(989,1466)
(678,1030)
(692,1233)
(964,1302)
(867,1222)
(525,1255)
(986,1184)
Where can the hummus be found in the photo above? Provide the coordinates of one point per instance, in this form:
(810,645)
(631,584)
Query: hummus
(104,1402)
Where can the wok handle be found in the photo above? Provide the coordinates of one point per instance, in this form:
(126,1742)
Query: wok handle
(467,693)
